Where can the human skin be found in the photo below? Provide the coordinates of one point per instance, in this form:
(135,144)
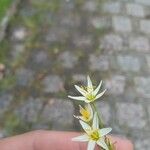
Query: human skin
(53,140)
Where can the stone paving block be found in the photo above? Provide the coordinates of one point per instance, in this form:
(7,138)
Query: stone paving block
(131,115)
(112,7)
(53,84)
(104,111)
(142,86)
(30,109)
(144,2)
(24,76)
(100,22)
(111,42)
(139,43)
(100,62)
(19,34)
(90,6)
(145,26)
(68,59)
(5,102)
(122,24)
(128,63)
(142,144)
(135,10)
(115,84)
(59,113)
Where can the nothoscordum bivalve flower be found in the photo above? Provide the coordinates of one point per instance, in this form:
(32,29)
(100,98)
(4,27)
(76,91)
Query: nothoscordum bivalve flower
(86,113)
(89,94)
(93,135)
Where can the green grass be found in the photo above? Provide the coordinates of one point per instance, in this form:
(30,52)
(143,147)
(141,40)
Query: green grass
(4,5)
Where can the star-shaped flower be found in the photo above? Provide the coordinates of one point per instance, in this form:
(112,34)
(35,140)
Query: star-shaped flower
(93,135)
(89,94)
(86,113)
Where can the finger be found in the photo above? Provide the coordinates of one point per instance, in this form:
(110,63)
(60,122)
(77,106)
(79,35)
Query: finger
(62,141)
(19,142)
(52,140)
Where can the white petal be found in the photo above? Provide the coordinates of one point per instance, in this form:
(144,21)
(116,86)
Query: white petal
(89,84)
(100,94)
(98,88)
(87,101)
(104,131)
(91,145)
(80,98)
(90,109)
(102,144)
(83,92)
(85,126)
(81,138)
(95,124)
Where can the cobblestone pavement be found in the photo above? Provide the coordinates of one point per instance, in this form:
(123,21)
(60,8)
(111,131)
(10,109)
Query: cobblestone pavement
(52,45)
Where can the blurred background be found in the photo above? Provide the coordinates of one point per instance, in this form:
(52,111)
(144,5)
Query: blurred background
(47,46)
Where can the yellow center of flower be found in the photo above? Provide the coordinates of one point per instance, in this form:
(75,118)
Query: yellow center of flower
(85,113)
(94,135)
(90,96)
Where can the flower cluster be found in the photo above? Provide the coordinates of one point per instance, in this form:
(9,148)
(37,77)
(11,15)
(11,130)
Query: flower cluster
(95,132)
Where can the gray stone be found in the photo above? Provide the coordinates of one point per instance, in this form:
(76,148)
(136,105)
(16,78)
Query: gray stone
(142,143)
(68,59)
(122,24)
(100,62)
(59,113)
(82,41)
(131,115)
(90,6)
(41,57)
(128,63)
(139,43)
(17,51)
(142,86)
(24,76)
(148,61)
(111,42)
(135,10)
(111,7)
(100,22)
(144,2)
(19,34)
(145,26)
(5,102)
(104,111)
(79,78)
(115,84)
(53,84)
(30,110)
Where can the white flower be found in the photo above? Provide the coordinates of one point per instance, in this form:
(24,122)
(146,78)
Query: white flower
(93,134)
(89,94)
(86,113)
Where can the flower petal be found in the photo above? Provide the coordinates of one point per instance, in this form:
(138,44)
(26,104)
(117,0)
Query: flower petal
(104,131)
(82,91)
(98,88)
(100,94)
(89,84)
(91,145)
(102,144)
(80,98)
(85,126)
(90,109)
(81,138)
(95,124)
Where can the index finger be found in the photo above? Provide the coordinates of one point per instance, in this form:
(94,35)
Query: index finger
(52,140)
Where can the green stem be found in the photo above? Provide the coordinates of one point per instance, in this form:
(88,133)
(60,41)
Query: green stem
(100,120)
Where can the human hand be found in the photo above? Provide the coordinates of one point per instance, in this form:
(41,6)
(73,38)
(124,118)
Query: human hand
(52,140)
